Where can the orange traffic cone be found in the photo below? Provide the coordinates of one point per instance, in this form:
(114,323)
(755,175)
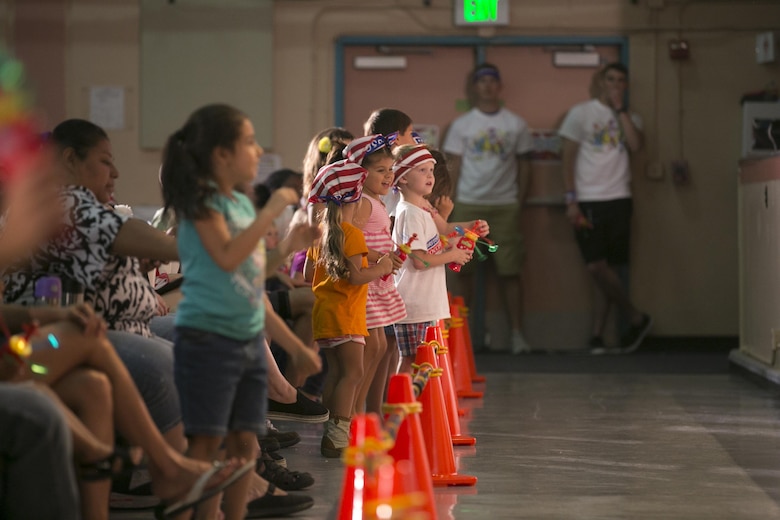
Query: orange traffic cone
(445,333)
(409,440)
(434,338)
(362,451)
(460,367)
(435,426)
(460,303)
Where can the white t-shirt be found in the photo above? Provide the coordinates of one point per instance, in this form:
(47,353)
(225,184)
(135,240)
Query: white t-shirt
(424,291)
(602,170)
(488,145)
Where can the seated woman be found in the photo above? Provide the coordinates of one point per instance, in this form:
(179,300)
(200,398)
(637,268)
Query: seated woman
(99,249)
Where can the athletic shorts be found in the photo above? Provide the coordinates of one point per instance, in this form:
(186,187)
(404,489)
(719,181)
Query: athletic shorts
(608,233)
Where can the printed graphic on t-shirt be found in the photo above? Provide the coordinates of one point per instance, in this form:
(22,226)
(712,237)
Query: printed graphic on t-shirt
(434,245)
(490,143)
(249,278)
(607,136)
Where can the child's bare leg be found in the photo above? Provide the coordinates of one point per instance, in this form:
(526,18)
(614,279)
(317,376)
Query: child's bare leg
(333,376)
(206,448)
(242,444)
(376,390)
(372,356)
(349,358)
(406,365)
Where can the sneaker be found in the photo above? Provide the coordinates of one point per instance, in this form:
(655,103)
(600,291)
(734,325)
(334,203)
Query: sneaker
(133,492)
(282,477)
(519,344)
(636,333)
(281,439)
(278,459)
(302,410)
(268,443)
(335,438)
(274,506)
(596,346)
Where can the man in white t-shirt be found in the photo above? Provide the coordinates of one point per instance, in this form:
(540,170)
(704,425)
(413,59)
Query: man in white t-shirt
(487,151)
(598,136)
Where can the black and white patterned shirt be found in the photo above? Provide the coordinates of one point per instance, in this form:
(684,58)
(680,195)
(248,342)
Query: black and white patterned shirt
(113,285)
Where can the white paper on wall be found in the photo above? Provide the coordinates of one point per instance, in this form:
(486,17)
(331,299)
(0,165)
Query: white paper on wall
(107,107)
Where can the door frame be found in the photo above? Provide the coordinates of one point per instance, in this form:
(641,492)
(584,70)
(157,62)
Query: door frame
(478,44)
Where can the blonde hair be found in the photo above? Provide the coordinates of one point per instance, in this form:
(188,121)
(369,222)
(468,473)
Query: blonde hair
(332,256)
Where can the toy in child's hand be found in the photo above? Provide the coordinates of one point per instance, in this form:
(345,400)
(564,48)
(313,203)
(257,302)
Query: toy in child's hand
(481,228)
(20,140)
(469,240)
(404,250)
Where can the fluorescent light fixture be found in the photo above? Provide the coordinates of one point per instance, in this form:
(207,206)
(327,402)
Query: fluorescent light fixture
(380,62)
(576,59)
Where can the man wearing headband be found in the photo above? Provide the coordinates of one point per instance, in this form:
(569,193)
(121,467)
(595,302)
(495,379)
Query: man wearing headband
(487,149)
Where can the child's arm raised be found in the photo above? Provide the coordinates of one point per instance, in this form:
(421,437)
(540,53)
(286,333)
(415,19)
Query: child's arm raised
(480,227)
(228,252)
(362,275)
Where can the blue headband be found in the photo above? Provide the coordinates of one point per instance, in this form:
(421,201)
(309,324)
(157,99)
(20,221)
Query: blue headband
(487,71)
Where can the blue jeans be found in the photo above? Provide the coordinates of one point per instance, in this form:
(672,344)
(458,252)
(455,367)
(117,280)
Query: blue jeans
(150,363)
(35,457)
(221,382)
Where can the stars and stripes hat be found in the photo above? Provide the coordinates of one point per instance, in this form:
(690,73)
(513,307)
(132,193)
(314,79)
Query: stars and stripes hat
(417,155)
(342,181)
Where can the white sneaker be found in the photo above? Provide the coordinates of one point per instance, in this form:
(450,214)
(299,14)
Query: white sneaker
(519,344)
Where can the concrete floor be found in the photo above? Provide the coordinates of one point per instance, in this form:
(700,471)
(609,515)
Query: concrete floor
(599,444)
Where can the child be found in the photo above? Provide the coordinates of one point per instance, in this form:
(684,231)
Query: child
(398,129)
(421,280)
(385,306)
(219,365)
(339,271)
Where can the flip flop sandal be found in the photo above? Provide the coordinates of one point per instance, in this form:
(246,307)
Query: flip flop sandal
(118,464)
(199,493)
(270,505)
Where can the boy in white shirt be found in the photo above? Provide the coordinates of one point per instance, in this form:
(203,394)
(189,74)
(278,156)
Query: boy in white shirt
(421,279)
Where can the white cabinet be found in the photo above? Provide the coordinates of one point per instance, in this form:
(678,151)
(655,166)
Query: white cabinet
(759,259)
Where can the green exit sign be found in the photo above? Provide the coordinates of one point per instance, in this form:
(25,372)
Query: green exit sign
(481,12)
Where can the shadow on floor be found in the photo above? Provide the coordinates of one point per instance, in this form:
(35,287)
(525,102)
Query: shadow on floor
(657,356)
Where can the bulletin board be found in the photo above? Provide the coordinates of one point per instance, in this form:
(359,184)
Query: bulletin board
(196,52)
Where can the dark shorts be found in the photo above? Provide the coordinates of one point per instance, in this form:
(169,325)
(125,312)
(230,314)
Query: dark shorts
(221,382)
(609,235)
